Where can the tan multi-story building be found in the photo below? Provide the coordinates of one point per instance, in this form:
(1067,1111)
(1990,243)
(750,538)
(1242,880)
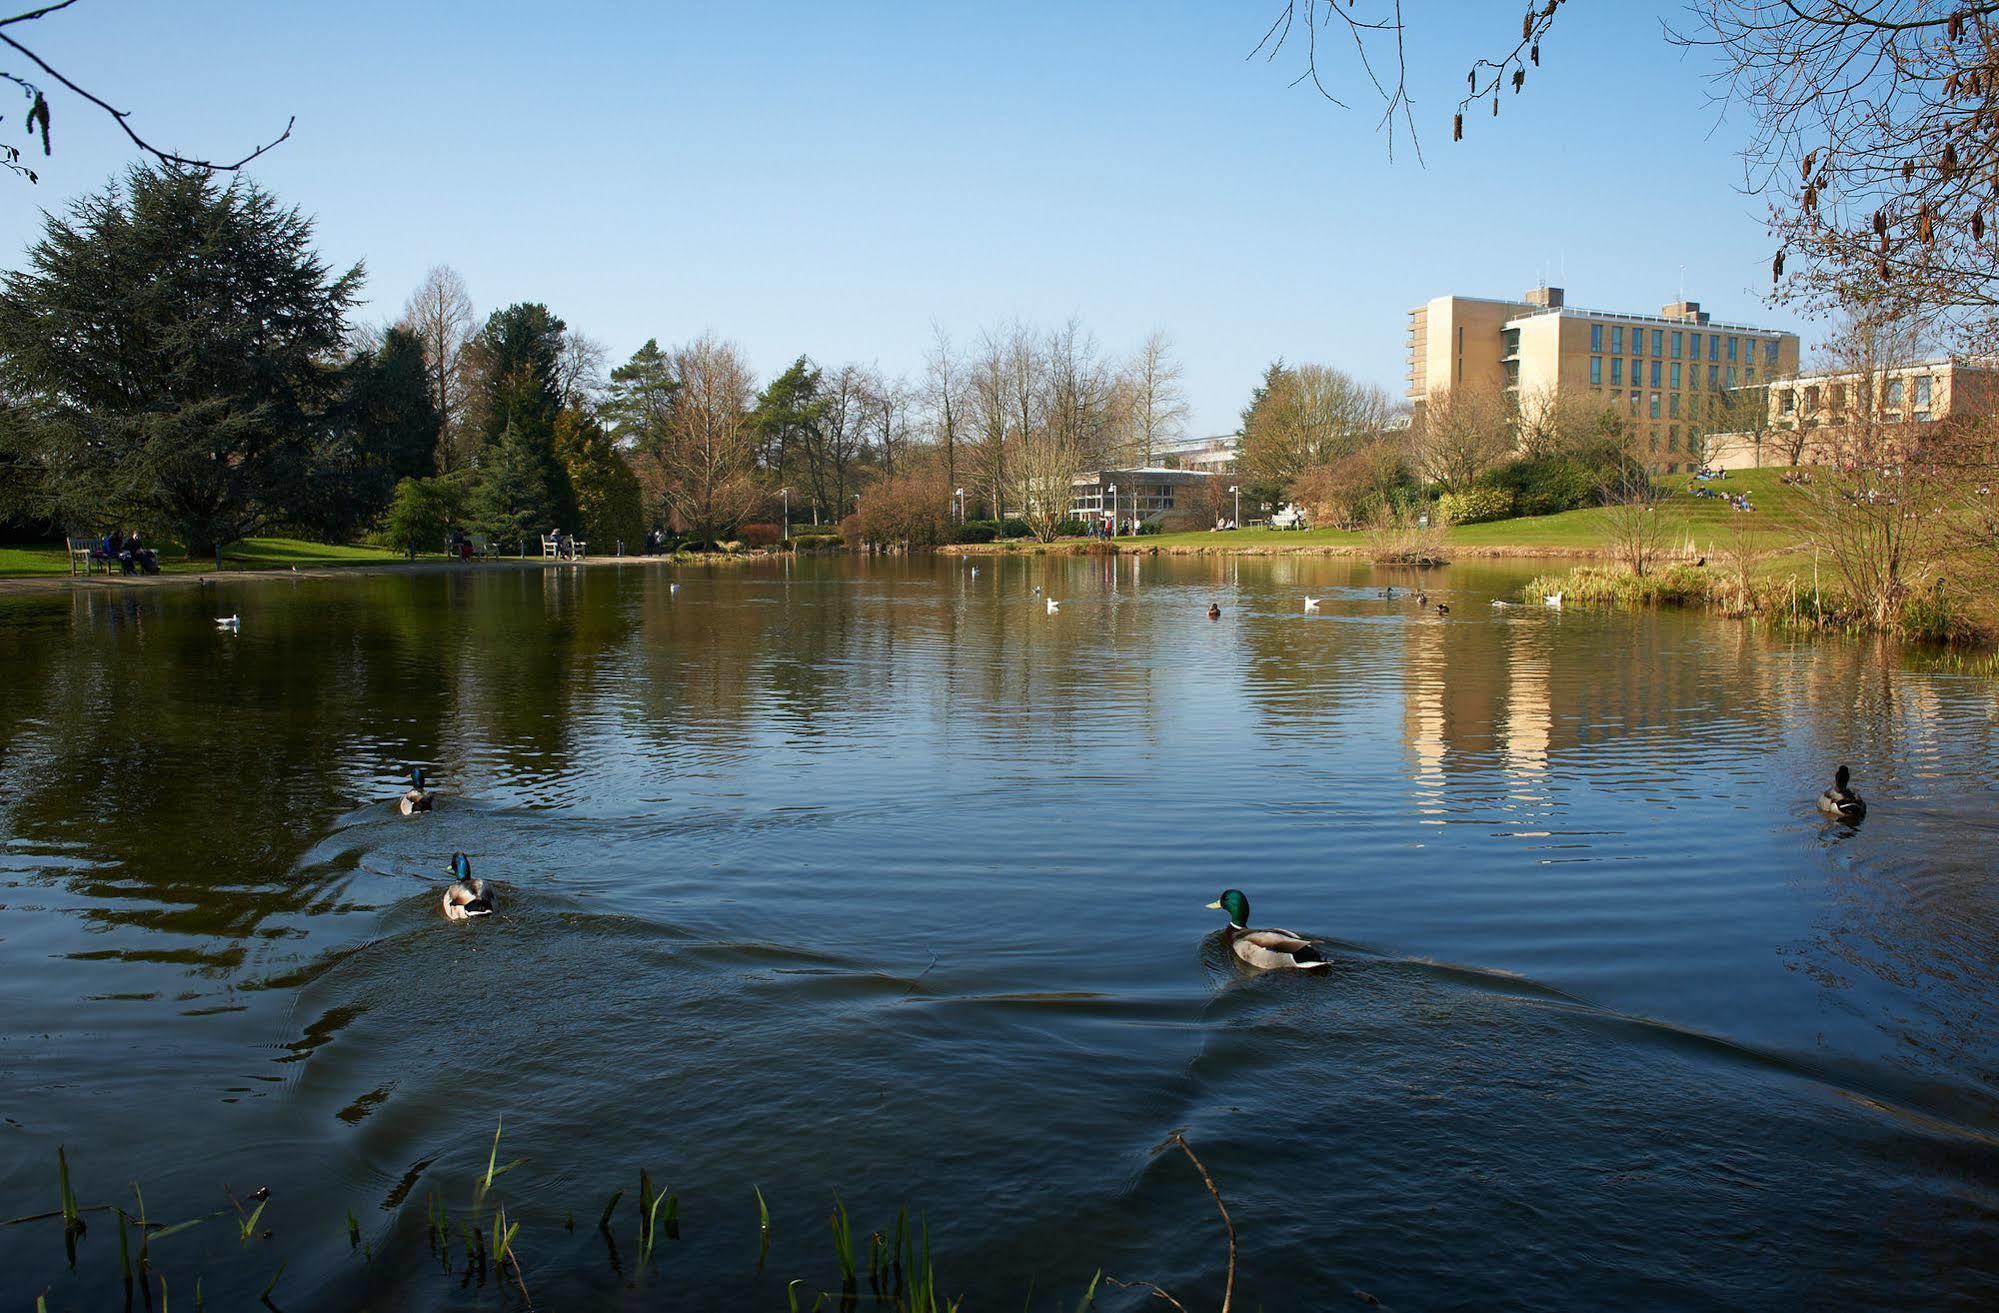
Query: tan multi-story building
(1807,412)
(1666,374)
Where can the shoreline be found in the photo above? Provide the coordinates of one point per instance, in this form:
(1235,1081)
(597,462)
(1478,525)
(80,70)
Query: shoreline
(29,583)
(1085,547)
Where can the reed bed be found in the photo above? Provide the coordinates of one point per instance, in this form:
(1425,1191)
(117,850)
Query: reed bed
(482,1243)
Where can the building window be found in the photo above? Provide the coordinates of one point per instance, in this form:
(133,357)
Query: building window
(1655,373)
(1655,405)
(1676,373)
(1637,341)
(1672,405)
(1894,394)
(1634,403)
(1655,442)
(1616,341)
(1811,401)
(1673,467)
(1616,370)
(1770,352)
(1922,392)
(1673,438)
(1713,346)
(1731,347)
(1677,342)
(1658,341)
(1596,371)
(1749,374)
(1693,346)
(1596,337)
(1714,372)
(1787,401)
(1729,378)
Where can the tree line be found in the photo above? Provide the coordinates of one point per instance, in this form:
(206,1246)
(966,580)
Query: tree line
(175,355)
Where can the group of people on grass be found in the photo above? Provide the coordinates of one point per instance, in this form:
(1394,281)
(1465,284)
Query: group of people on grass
(128,553)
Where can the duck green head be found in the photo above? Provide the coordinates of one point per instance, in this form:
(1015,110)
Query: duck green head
(1236,905)
(461,866)
(416,777)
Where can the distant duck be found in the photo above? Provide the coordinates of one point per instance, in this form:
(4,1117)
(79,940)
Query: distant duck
(1500,604)
(1214,611)
(230,622)
(1443,608)
(1037,590)
(416,800)
(1553,601)
(1840,801)
(466,897)
(1053,606)
(975,572)
(1268,949)
(1422,598)
(673,588)
(1312,603)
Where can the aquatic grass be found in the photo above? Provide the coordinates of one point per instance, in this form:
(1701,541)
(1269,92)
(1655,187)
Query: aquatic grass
(1228,1228)
(272,1284)
(71,1217)
(763,1228)
(650,1203)
(246,1223)
(843,1242)
(1089,1299)
(493,1171)
(353,1231)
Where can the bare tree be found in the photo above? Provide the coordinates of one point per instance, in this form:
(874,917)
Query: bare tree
(1461,433)
(1156,406)
(944,399)
(1880,504)
(701,463)
(1875,135)
(1568,422)
(989,393)
(440,313)
(885,403)
(1632,520)
(580,372)
(1309,417)
(13,30)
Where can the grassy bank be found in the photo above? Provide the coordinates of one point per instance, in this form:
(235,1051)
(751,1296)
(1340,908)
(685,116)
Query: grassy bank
(1782,596)
(1700,523)
(249,554)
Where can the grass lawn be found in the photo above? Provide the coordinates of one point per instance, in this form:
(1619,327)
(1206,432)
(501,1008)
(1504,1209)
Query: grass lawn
(249,554)
(1708,521)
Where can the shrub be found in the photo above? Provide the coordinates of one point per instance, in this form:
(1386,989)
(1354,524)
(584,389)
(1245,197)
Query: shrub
(976,531)
(1148,527)
(1476,505)
(1556,483)
(760,535)
(1071,529)
(906,512)
(817,542)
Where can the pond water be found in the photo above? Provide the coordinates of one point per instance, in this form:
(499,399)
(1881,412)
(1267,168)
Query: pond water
(877,878)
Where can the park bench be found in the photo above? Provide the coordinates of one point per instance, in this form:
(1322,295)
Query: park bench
(86,556)
(552,549)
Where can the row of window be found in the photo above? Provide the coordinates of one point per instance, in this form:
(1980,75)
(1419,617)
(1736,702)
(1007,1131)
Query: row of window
(1718,376)
(1679,339)
(1652,405)
(1838,393)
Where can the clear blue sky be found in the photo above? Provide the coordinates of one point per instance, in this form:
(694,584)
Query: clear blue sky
(829,179)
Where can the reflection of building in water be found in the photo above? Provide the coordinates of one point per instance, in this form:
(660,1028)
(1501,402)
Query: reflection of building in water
(1529,717)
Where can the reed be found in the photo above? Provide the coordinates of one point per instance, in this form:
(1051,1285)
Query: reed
(843,1242)
(353,1231)
(763,1229)
(493,1170)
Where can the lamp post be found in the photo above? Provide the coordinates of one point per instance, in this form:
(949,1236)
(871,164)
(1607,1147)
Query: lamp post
(786,494)
(1113,510)
(959,493)
(1235,492)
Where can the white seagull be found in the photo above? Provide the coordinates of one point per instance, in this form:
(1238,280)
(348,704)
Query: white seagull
(1312,603)
(1053,606)
(231,622)
(1552,600)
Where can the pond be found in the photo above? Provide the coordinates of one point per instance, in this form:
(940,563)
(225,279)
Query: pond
(878,878)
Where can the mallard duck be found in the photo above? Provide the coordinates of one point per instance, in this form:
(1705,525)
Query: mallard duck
(466,896)
(1269,949)
(1214,611)
(416,800)
(1840,801)
(1443,608)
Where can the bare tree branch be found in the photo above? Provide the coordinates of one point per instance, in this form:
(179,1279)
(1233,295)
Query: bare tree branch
(38,109)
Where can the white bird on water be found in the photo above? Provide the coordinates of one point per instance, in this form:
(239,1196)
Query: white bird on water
(1553,601)
(673,588)
(1312,603)
(230,622)
(975,572)
(1053,606)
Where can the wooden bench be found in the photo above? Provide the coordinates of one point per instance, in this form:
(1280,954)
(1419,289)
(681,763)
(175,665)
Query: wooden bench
(548,547)
(566,549)
(86,557)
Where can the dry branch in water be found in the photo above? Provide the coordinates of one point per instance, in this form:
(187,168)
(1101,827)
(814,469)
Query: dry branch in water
(1228,1226)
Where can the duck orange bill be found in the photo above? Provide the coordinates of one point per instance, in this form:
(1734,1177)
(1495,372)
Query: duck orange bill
(1215,906)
